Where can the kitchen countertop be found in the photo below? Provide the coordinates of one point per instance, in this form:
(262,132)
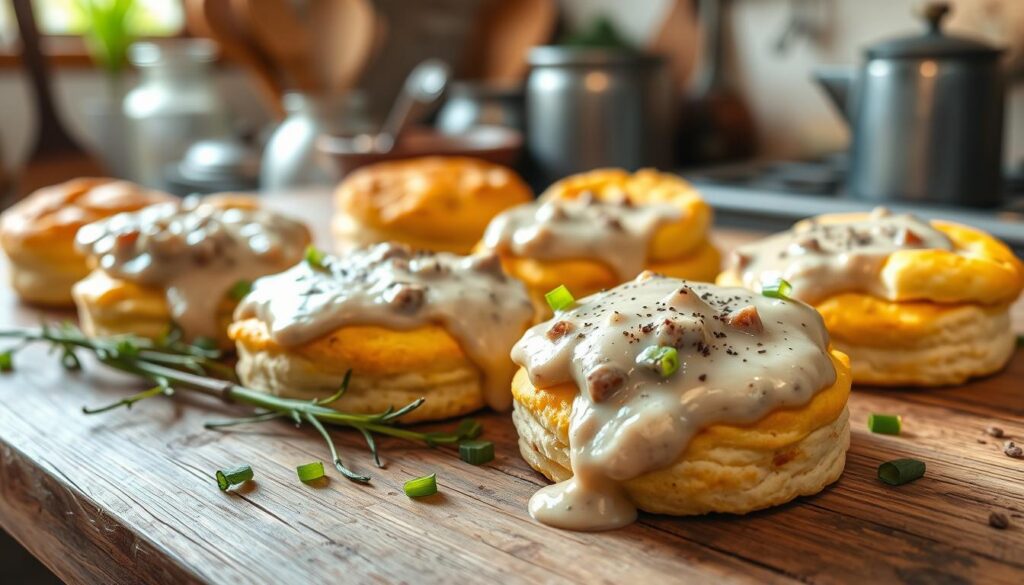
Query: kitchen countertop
(129,496)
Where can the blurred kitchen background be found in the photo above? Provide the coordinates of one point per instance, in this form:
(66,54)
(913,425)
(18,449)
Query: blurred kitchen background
(282,94)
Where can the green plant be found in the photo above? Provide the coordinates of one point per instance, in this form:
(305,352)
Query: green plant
(107,32)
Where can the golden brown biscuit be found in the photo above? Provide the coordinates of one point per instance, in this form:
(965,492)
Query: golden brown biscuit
(679,398)
(38,233)
(928,308)
(408,325)
(183,263)
(629,223)
(429,203)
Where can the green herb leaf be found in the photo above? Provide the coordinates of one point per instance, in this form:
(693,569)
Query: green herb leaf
(7,361)
(421,486)
(310,471)
(229,477)
(559,298)
(315,258)
(885,424)
(239,290)
(900,471)
(476,452)
(780,289)
(662,359)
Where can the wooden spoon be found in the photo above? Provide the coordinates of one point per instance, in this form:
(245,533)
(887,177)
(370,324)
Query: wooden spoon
(343,40)
(678,40)
(506,31)
(215,19)
(56,156)
(277,27)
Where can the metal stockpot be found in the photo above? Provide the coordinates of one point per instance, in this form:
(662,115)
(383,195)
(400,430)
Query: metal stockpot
(926,114)
(588,108)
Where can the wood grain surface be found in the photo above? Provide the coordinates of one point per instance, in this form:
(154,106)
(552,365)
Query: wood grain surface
(129,496)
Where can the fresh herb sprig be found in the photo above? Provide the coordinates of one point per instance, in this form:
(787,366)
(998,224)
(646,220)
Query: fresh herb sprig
(173,365)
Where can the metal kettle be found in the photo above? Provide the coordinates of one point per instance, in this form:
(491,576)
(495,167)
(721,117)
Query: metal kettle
(926,115)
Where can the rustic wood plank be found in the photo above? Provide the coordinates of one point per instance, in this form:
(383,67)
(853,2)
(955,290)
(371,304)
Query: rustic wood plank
(128,497)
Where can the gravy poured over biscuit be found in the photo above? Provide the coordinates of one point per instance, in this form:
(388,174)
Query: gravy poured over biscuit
(195,251)
(616,233)
(821,259)
(393,287)
(741,356)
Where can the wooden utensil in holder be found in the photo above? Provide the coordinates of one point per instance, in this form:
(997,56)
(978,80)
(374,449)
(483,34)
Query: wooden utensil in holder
(56,156)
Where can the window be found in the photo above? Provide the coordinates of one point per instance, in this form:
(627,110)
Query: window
(148,18)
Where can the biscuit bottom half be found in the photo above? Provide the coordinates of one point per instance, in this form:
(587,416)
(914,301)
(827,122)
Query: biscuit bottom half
(918,343)
(725,468)
(109,306)
(389,368)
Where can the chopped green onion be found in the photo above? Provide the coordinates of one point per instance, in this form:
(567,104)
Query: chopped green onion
(314,257)
(310,471)
(238,290)
(885,424)
(476,452)
(900,471)
(6,361)
(664,360)
(780,289)
(205,343)
(559,298)
(421,486)
(469,428)
(229,477)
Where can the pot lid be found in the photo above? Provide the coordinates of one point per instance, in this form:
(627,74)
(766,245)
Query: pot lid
(934,44)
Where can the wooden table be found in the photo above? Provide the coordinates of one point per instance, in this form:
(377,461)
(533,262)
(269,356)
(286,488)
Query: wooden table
(129,497)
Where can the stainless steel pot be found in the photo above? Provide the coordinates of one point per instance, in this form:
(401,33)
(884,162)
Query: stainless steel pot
(588,108)
(926,114)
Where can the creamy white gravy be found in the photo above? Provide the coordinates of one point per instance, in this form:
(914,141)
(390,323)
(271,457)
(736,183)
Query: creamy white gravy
(616,233)
(391,286)
(195,252)
(741,355)
(822,259)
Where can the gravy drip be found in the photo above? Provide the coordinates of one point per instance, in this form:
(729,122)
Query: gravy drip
(616,233)
(390,286)
(823,259)
(195,252)
(741,355)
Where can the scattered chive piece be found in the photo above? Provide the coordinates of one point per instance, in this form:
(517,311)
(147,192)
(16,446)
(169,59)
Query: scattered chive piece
(238,290)
(205,343)
(885,424)
(421,486)
(664,360)
(476,452)
(6,361)
(310,471)
(559,298)
(126,348)
(780,289)
(469,428)
(229,477)
(900,471)
(315,257)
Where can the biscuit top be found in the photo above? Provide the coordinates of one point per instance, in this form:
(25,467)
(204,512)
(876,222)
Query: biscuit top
(196,251)
(70,205)
(445,198)
(391,286)
(824,256)
(740,356)
(615,232)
